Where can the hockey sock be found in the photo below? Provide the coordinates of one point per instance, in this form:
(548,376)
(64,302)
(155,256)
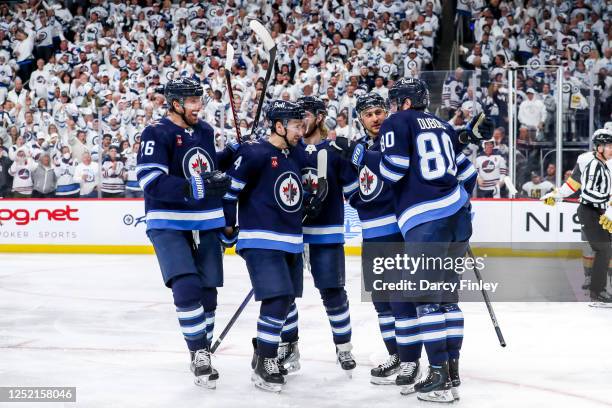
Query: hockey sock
(289,334)
(407,333)
(337,308)
(386,322)
(432,326)
(187,294)
(272,315)
(453,318)
(209,301)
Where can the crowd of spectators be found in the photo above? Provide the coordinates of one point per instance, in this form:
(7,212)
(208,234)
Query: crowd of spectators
(534,38)
(79,80)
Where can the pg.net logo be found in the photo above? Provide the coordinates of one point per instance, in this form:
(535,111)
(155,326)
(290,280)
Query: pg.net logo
(23,216)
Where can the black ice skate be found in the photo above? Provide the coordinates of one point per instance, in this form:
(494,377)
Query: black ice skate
(385,373)
(266,375)
(205,375)
(601,299)
(281,369)
(453,373)
(288,357)
(407,377)
(436,387)
(345,358)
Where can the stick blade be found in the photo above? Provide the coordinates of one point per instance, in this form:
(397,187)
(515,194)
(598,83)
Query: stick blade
(229,57)
(262,33)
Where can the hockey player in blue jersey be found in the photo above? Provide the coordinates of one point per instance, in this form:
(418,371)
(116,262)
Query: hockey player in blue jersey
(421,158)
(266,184)
(373,201)
(177,170)
(324,236)
(431,183)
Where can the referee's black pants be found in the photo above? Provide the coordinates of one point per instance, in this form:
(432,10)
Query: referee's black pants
(601,243)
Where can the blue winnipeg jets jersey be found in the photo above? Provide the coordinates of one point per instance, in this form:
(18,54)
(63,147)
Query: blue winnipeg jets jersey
(266,183)
(168,156)
(421,157)
(328,226)
(373,200)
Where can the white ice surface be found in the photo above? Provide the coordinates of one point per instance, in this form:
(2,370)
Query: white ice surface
(106,324)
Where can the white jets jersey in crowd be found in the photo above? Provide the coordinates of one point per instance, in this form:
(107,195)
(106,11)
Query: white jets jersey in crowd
(491,169)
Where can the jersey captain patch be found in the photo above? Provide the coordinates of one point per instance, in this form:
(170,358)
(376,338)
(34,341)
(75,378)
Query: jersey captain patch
(288,192)
(196,161)
(370,185)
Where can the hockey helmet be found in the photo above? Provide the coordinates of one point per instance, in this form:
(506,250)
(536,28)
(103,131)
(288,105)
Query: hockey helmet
(312,104)
(370,100)
(414,89)
(284,111)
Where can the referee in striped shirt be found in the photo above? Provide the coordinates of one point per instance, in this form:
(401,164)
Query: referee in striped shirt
(592,175)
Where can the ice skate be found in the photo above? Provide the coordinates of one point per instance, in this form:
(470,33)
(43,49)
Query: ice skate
(345,358)
(407,377)
(289,357)
(205,375)
(385,373)
(266,375)
(436,387)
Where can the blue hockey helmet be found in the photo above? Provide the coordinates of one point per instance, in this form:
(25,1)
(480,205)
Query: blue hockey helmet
(410,88)
(284,111)
(312,104)
(370,100)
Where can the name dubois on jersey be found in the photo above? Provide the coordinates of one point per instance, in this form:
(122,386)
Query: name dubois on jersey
(430,123)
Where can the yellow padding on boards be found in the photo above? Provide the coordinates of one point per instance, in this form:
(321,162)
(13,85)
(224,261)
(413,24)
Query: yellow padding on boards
(349,250)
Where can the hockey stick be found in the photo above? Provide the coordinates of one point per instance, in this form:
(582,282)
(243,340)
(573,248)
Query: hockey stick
(232,321)
(229,60)
(511,188)
(265,37)
(321,175)
(500,336)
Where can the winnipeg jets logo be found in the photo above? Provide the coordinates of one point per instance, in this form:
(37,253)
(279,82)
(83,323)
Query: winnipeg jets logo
(288,192)
(89,176)
(197,161)
(370,185)
(23,174)
(488,166)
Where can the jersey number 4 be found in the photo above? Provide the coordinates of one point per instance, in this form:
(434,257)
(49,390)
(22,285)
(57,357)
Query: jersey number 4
(432,150)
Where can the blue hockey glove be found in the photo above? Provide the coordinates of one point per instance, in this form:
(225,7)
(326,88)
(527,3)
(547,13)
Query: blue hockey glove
(228,241)
(212,185)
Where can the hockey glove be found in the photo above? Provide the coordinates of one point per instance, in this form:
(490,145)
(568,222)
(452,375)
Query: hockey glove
(228,240)
(348,150)
(313,204)
(606,220)
(552,198)
(478,130)
(212,185)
